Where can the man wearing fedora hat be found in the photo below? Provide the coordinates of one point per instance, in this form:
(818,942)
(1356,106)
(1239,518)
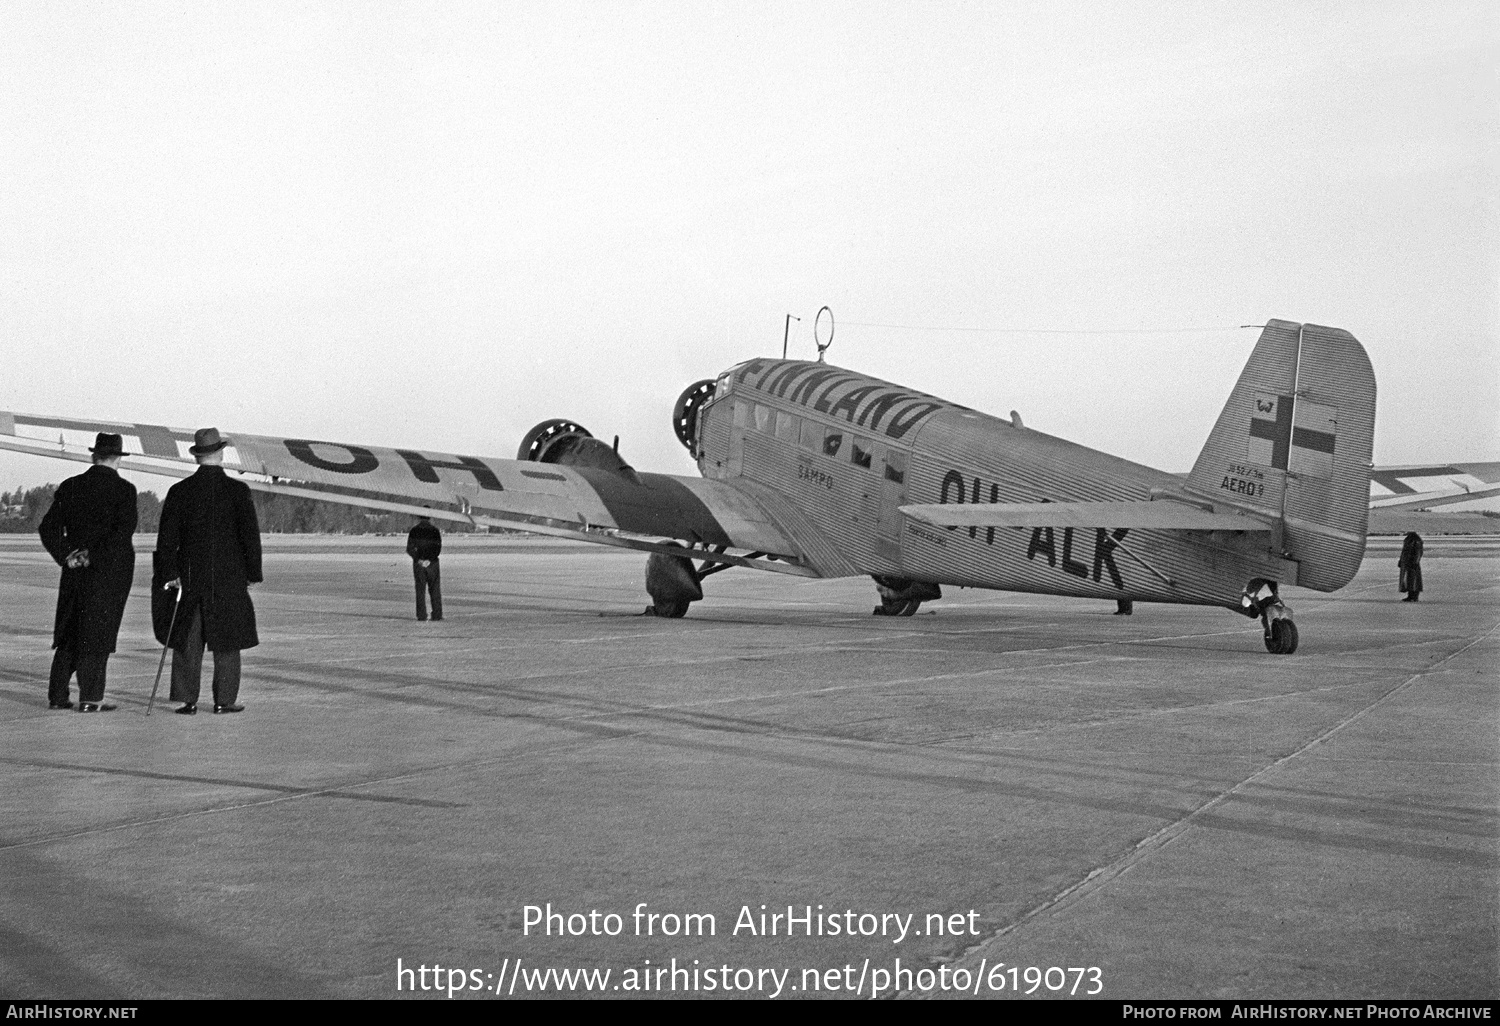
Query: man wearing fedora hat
(88,531)
(424,544)
(208,545)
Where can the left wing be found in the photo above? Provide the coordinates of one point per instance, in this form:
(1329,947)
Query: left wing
(650,512)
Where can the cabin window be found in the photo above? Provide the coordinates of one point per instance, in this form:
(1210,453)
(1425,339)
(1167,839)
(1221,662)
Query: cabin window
(860,453)
(741,414)
(787,426)
(762,417)
(832,442)
(812,435)
(895,465)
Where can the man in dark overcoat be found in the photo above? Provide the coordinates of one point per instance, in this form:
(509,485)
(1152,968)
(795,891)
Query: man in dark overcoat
(424,544)
(1410,564)
(88,531)
(208,544)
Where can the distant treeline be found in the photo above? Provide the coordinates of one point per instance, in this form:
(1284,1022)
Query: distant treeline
(21,512)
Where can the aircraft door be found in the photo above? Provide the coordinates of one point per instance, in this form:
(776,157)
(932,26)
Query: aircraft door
(892,496)
(741,416)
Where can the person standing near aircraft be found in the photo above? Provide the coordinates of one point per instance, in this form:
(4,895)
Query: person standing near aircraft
(1410,564)
(209,546)
(424,544)
(88,531)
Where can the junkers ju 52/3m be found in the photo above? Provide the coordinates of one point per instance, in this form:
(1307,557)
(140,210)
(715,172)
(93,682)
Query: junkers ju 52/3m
(813,470)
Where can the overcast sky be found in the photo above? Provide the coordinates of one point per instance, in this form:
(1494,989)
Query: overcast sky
(434,225)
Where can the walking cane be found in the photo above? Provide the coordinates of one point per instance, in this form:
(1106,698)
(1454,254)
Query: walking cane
(152,700)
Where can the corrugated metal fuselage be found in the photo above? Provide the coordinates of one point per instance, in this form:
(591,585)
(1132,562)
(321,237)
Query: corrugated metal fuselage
(846,451)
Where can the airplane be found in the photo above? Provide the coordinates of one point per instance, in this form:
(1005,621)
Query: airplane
(816,471)
(1407,498)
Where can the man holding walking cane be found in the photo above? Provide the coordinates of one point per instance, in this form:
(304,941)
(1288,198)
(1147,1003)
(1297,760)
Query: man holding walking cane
(165,602)
(208,545)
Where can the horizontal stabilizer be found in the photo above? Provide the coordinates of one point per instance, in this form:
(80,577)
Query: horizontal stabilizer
(1159,515)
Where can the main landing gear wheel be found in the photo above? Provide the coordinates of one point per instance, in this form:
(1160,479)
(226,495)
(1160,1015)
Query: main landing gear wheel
(673,584)
(900,596)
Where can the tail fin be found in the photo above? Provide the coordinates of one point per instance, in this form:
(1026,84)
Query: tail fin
(1294,442)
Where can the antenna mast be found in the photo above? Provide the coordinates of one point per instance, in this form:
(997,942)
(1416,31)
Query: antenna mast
(823,346)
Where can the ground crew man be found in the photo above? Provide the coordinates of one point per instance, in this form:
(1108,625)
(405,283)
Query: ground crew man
(424,544)
(1410,564)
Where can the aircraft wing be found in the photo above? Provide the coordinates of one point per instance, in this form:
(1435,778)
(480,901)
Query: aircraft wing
(1401,496)
(649,512)
(1399,485)
(1426,500)
(1401,521)
(1163,515)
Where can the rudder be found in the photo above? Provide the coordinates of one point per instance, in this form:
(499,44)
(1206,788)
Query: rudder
(1293,443)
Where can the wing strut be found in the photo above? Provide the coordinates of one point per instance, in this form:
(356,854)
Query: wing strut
(1161,576)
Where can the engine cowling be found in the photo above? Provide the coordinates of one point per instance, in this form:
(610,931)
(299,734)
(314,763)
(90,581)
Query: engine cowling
(567,443)
(551,440)
(685,412)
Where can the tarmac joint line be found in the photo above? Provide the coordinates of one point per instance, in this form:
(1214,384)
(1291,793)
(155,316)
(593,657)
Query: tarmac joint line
(1101,876)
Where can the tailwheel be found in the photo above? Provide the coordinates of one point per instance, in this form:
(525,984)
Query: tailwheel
(1261,598)
(1281,638)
